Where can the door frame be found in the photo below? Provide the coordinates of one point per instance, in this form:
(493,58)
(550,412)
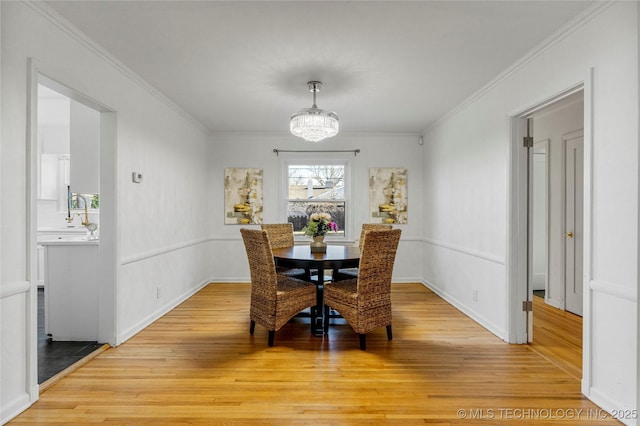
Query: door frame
(518,210)
(109,271)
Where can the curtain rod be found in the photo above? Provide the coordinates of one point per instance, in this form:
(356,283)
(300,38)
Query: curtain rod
(278,151)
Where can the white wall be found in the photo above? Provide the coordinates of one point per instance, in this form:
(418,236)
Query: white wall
(84,149)
(466,182)
(170,228)
(160,221)
(250,150)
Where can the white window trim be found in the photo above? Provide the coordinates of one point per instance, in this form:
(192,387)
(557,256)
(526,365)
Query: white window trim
(312,159)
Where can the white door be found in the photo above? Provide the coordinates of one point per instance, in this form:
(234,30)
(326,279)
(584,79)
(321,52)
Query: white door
(573,222)
(539,216)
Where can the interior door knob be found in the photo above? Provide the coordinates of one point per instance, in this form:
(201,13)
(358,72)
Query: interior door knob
(569,234)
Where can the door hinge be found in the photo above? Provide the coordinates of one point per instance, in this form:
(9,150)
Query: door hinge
(527,306)
(527,141)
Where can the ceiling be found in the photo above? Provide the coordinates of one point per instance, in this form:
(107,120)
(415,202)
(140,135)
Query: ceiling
(386,66)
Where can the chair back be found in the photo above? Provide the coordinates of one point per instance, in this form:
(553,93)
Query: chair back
(264,282)
(372,227)
(280,234)
(376,267)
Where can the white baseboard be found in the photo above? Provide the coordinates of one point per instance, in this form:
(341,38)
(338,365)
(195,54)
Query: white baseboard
(610,406)
(141,325)
(501,333)
(15,407)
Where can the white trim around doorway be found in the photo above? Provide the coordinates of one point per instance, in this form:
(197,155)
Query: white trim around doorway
(107,317)
(517,214)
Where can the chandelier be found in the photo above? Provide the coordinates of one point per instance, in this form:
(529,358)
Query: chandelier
(314,124)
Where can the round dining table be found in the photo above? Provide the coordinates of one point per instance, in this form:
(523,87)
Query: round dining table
(300,256)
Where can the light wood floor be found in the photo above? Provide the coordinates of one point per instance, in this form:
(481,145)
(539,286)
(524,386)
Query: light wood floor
(557,336)
(198,364)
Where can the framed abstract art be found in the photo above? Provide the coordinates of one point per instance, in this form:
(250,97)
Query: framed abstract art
(242,196)
(388,195)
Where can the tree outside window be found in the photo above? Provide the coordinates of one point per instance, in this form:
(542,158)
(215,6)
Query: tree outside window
(316,188)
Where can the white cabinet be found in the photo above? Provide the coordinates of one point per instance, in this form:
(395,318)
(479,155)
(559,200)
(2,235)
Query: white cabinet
(71,290)
(53,234)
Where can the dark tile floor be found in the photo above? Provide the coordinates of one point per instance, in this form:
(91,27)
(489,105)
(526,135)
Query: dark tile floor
(53,357)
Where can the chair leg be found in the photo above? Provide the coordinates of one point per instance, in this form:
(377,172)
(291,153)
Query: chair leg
(313,314)
(389,334)
(326,319)
(252,327)
(363,342)
(271,335)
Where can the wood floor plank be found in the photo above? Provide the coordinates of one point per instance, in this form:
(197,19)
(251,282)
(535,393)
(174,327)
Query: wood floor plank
(199,365)
(557,336)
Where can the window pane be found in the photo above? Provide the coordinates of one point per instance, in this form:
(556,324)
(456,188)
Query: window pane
(316,188)
(298,213)
(316,181)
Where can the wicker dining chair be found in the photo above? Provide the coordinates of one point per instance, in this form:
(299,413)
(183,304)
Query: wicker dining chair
(275,298)
(345,274)
(365,301)
(281,236)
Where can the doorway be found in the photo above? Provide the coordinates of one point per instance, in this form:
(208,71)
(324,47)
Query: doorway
(547,191)
(62,207)
(556,202)
(65,212)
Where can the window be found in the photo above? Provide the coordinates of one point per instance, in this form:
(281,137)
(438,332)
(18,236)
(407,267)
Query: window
(316,187)
(76,201)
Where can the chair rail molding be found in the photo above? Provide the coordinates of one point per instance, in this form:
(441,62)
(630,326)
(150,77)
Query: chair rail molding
(14,288)
(612,289)
(469,252)
(161,251)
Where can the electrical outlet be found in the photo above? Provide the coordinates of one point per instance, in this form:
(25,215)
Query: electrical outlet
(475,295)
(136,177)
(158,292)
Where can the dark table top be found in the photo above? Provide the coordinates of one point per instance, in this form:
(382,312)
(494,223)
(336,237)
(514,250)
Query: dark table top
(300,256)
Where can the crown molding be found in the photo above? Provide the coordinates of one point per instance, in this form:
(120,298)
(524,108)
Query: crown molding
(74,32)
(579,21)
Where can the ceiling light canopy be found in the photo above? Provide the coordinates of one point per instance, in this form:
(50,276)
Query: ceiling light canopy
(314,124)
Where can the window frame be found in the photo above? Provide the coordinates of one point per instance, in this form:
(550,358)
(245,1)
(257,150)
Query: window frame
(313,159)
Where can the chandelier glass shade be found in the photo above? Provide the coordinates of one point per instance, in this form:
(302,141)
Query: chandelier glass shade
(314,124)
